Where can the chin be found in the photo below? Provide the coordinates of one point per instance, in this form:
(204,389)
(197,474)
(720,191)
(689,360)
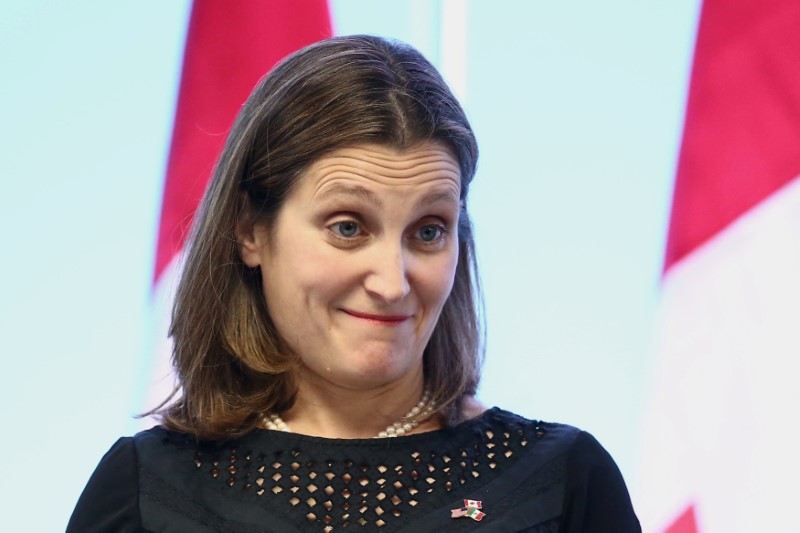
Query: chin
(375,368)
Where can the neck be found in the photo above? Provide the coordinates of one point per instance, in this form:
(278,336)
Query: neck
(324,409)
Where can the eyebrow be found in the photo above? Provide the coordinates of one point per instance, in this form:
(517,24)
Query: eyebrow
(363,194)
(441,196)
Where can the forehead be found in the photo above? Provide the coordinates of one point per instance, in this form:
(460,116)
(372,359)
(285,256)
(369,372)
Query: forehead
(422,168)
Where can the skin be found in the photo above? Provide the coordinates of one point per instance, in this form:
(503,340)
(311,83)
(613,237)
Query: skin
(356,270)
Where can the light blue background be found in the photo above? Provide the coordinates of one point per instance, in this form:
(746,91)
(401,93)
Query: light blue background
(578,110)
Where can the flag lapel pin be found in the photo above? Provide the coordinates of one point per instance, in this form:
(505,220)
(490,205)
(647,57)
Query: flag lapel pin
(472,509)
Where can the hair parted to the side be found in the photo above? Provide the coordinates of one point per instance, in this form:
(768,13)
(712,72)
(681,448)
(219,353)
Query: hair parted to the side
(230,362)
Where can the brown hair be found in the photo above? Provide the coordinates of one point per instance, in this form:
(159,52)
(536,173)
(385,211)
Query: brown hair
(230,361)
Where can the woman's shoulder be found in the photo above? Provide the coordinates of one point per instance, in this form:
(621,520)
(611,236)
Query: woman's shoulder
(586,457)
(560,434)
(109,502)
(592,492)
(566,437)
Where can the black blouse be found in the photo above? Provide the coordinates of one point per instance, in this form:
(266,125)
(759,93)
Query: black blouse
(529,476)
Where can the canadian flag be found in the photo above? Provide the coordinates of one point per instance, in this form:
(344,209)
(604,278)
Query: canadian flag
(721,438)
(229,47)
(477,504)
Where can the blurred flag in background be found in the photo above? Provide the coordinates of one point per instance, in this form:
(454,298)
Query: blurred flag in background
(720,450)
(229,47)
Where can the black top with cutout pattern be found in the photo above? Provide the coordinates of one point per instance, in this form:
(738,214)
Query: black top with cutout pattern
(530,476)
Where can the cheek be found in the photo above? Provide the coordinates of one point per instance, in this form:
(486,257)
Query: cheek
(436,279)
(309,275)
(297,295)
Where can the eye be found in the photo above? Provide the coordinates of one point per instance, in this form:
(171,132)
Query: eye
(431,233)
(346,229)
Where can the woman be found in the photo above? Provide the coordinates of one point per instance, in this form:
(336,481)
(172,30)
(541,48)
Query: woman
(327,339)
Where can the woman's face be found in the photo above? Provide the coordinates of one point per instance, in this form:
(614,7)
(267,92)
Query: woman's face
(360,261)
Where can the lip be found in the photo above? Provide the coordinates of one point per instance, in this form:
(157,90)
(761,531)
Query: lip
(386,320)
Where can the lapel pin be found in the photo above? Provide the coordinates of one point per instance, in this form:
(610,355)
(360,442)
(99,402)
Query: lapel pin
(471,509)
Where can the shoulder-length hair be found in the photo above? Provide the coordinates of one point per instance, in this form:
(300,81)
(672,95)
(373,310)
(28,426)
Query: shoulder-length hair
(231,364)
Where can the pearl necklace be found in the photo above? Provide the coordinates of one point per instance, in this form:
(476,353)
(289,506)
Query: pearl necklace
(412,419)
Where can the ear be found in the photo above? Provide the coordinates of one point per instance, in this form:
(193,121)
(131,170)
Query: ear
(251,239)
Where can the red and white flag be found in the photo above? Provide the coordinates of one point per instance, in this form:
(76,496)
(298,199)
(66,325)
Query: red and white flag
(720,447)
(229,47)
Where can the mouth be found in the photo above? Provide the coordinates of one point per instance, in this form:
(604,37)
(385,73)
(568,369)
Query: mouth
(384,320)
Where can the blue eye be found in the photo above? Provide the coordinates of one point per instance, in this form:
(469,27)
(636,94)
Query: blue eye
(430,233)
(347,228)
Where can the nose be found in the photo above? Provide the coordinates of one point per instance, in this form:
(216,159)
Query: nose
(387,278)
